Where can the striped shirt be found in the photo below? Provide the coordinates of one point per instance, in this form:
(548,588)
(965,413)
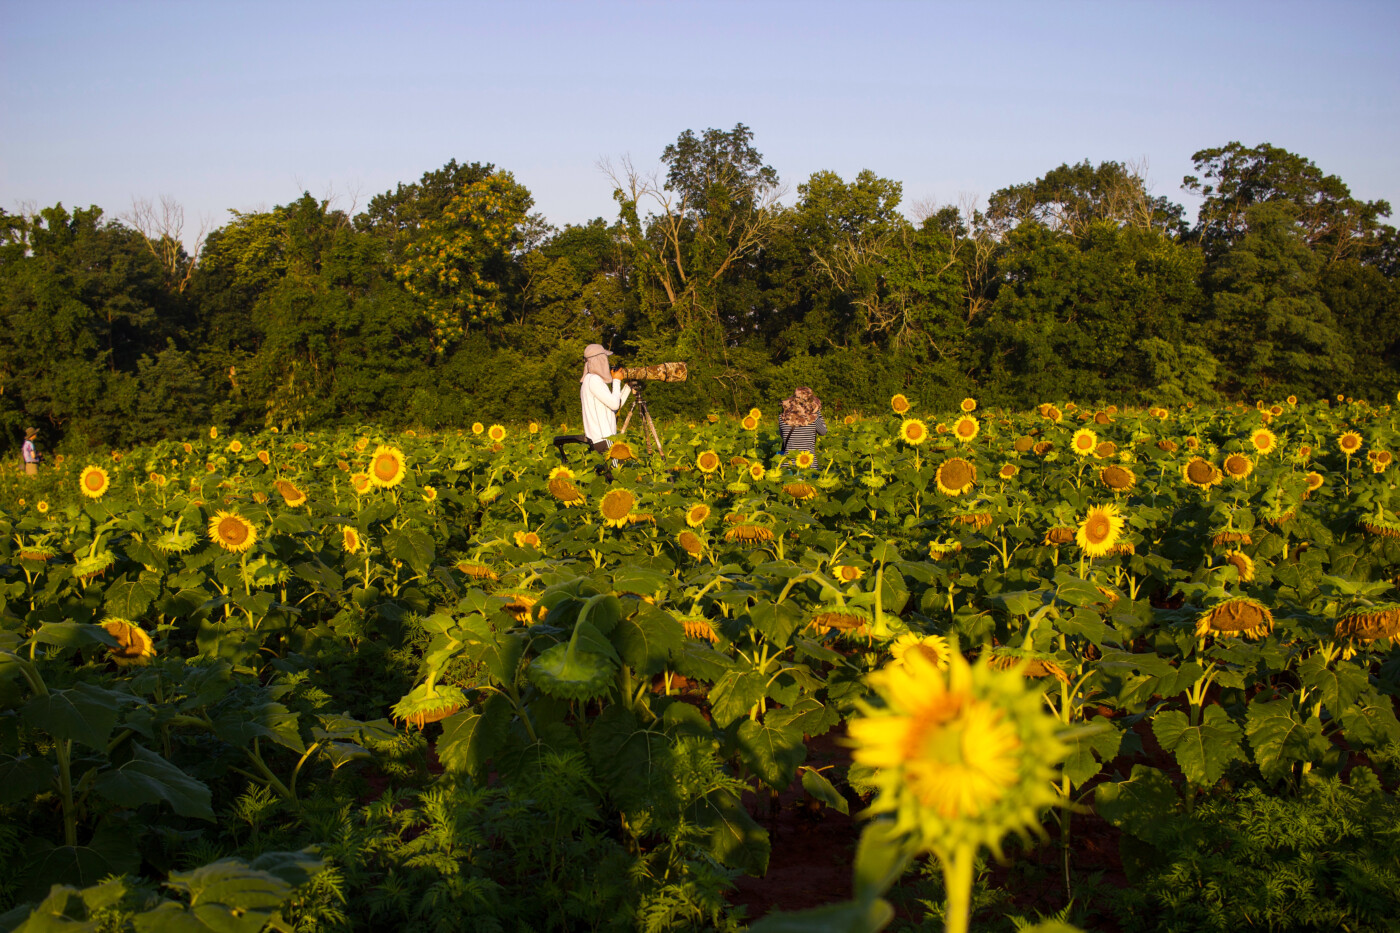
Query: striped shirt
(801,436)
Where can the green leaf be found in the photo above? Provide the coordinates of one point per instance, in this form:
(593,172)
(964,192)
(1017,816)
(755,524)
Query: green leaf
(469,738)
(225,897)
(735,839)
(735,694)
(882,855)
(23,776)
(72,635)
(816,784)
(1338,688)
(110,851)
(647,639)
(1142,806)
(1370,721)
(1280,738)
(807,716)
(777,621)
(770,752)
(240,726)
(149,778)
(845,917)
(414,548)
(63,911)
(83,713)
(628,758)
(129,599)
(1090,748)
(1202,751)
(701,662)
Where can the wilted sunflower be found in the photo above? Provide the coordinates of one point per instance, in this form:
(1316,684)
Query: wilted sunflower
(968,405)
(232,531)
(1370,624)
(708,461)
(476,571)
(290,493)
(955,476)
(1105,450)
(1023,444)
(800,491)
(386,467)
(941,548)
(691,543)
(913,431)
(738,461)
(749,533)
(1242,563)
(699,630)
(621,450)
(1315,481)
(932,648)
(1238,466)
(134,645)
(1100,530)
(496,432)
(1349,443)
(846,623)
(697,515)
(966,429)
(361,483)
(899,403)
(1043,447)
(1201,473)
(1084,442)
(847,573)
(527,539)
(1060,534)
(616,505)
(1117,477)
(94,482)
(1104,417)
(1238,616)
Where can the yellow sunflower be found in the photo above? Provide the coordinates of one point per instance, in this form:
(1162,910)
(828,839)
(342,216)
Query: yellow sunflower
(264,457)
(913,432)
(708,461)
(1117,477)
(232,531)
(1263,440)
(749,422)
(1008,471)
(290,493)
(42,506)
(804,459)
(496,433)
(955,476)
(1201,473)
(800,491)
(235,446)
(361,483)
(900,404)
(755,413)
(1238,616)
(1238,466)
(757,471)
(478,427)
(386,467)
(697,515)
(1242,563)
(966,429)
(214,434)
(350,540)
(134,645)
(1084,442)
(1349,443)
(94,482)
(1100,530)
(616,505)
(527,539)
(847,573)
(933,648)
(968,405)
(430,494)
(621,450)
(691,543)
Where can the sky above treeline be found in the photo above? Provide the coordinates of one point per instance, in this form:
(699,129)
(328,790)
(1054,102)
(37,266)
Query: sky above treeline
(244,105)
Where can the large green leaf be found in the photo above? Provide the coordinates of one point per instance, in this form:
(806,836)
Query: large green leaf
(628,758)
(470,738)
(1090,748)
(647,639)
(735,839)
(1202,751)
(735,694)
(239,726)
(225,897)
(1279,737)
(1338,688)
(819,788)
(23,776)
(1142,806)
(845,917)
(129,599)
(771,752)
(414,548)
(777,621)
(807,716)
(1371,720)
(149,778)
(83,713)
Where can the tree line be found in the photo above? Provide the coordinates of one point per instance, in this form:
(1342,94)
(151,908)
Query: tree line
(448,301)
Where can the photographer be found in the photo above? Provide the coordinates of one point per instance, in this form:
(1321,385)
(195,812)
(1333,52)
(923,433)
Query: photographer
(801,422)
(601,394)
(32,458)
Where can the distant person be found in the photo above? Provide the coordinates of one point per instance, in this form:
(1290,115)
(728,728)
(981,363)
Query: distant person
(31,456)
(601,394)
(800,422)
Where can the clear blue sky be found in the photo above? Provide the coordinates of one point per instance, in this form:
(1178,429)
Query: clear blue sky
(245,104)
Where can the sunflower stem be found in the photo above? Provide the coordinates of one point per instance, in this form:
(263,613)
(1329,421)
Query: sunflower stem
(957,880)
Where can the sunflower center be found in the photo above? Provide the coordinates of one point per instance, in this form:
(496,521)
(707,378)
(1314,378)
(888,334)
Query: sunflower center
(1199,471)
(931,655)
(385,467)
(93,481)
(233,531)
(1098,528)
(957,473)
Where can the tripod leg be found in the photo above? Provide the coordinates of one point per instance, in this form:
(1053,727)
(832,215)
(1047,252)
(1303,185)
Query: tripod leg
(654,438)
(628,420)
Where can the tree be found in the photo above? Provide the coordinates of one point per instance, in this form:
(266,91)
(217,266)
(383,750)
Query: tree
(1071,197)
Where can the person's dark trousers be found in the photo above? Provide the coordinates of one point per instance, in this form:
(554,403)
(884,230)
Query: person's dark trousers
(563,440)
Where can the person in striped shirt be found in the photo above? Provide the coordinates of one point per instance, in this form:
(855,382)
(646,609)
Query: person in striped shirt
(800,422)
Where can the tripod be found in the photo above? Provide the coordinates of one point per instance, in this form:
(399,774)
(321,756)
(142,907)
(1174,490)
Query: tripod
(649,435)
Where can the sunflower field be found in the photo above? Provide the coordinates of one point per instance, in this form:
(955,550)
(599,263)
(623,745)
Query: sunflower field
(1118,669)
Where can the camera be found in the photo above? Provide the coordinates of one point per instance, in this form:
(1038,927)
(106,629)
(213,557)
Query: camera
(657,372)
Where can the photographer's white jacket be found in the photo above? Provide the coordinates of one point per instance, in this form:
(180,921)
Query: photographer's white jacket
(600,405)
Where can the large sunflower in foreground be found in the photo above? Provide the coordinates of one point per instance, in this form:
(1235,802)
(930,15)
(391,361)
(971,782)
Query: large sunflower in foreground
(963,756)
(94,482)
(934,648)
(616,506)
(232,531)
(913,431)
(386,467)
(955,476)
(1100,530)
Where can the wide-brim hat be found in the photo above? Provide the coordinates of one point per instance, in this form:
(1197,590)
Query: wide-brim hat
(596,349)
(30,432)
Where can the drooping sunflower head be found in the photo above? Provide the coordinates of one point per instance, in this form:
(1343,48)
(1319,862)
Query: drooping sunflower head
(232,531)
(1349,443)
(1117,477)
(1315,481)
(1105,450)
(963,756)
(749,533)
(966,429)
(1201,473)
(291,495)
(899,404)
(968,405)
(691,543)
(94,482)
(1370,624)
(913,431)
(1008,471)
(621,450)
(1238,616)
(476,570)
(1238,466)
(1100,530)
(708,461)
(563,489)
(134,645)
(955,476)
(1084,442)
(616,505)
(386,467)
(800,491)
(1242,563)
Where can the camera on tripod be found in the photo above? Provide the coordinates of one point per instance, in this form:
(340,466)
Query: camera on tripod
(657,372)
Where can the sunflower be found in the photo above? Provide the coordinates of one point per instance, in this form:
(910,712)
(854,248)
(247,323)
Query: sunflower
(1201,473)
(933,648)
(699,630)
(749,532)
(559,471)
(913,432)
(749,422)
(847,573)
(1238,616)
(955,476)
(533,427)
(1008,471)
(475,570)
(264,457)
(738,461)
(42,506)
(1292,400)
(361,483)
(527,539)
(94,482)
(496,433)
(962,757)
(1370,624)
(214,434)
(1349,443)
(708,461)
(757,471)
(691,543)
(478,427)
(966,429)
(386,467)
(1238,466)
(1242,563)
(804,459)
(134,646)
(290,493)
(232,531)
(235,446)
(1053,414)
(1043,447)
(1060,534)
(621,450)
(1105,450)
(941,548)
(616,505)
(968,405)
(1117,477)
(430,493)
(1100,530)
(899,404)
(755,413)
(1023,444)
(800,491)
(1263,441)
(1084,442)
(350,540)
